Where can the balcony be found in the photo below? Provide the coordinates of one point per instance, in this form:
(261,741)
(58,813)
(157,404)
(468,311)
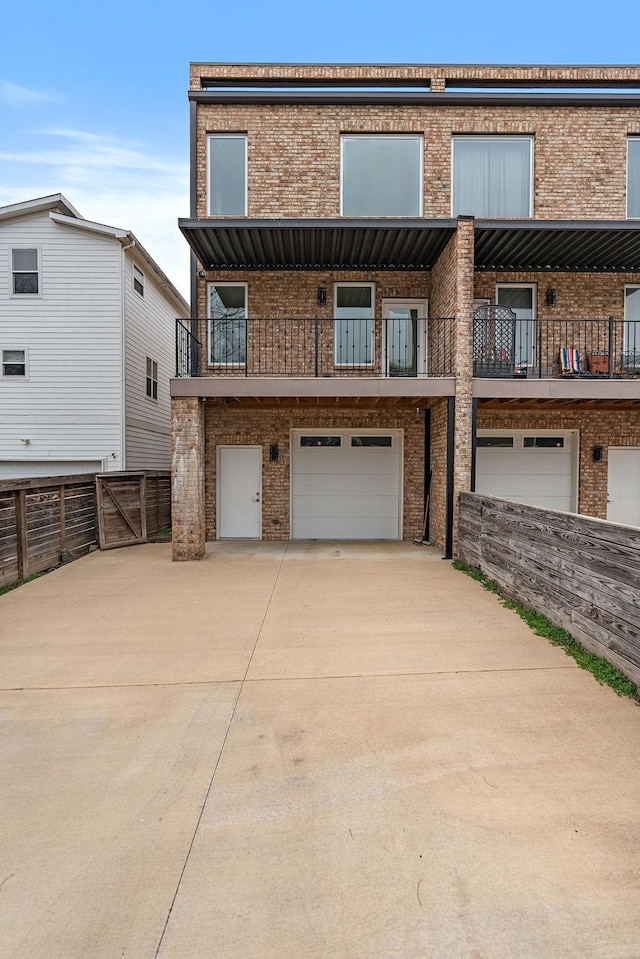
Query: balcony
(507,346)
(410,347)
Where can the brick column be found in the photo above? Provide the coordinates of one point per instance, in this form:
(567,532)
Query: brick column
(463,364)
(438,84)
(187,477)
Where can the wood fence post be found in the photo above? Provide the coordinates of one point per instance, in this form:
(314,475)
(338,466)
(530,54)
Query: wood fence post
(63,520)
(22,540)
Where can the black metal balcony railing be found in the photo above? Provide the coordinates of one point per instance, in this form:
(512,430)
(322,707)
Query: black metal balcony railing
(504,345)
(236,346)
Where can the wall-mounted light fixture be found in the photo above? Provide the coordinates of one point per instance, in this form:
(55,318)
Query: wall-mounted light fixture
(596,454)
(551,297)
(274,453)
(321,296)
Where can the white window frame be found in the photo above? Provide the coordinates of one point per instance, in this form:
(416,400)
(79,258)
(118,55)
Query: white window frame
(372,320)
(228,136)
(210,319)
(12,272)
(629,215)
(497,136)
(151,379)
(6,349)
(383,136)
(138,275)
(531,359)
(626,345)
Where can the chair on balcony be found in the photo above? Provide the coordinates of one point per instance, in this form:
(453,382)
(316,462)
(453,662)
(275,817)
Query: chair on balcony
(570,361)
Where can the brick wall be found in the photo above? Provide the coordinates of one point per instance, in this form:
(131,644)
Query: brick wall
(246,425)
(187,478)
(294,153)
(606,428)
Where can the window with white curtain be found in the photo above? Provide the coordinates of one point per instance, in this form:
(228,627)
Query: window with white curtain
(492,176)
(381,175)
(227,169)
(633,177)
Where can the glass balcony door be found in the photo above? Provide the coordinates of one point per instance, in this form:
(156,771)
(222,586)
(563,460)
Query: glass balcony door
(405,337)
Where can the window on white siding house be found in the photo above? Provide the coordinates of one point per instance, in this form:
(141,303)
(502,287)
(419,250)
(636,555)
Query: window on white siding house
(227,169)
(492,176)
(354,324)
(381,176)
(14,363)
(24,267)
(138,281)
(633,177)
(152,379)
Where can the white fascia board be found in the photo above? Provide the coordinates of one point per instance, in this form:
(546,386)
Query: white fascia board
(89,226)
(54,202)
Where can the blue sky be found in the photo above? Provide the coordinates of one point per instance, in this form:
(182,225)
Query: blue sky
(93,96)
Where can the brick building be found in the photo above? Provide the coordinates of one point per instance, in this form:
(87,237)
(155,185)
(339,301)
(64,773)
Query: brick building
(407,281)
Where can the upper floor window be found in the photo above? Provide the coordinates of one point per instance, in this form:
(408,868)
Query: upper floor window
(152,379)
(138,281)
(14,363)
(227,174)
(633,177)
(24,269)
(381,175)
(492,176)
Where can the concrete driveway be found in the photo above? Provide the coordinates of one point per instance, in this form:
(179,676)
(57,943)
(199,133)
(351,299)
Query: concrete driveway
(304,751)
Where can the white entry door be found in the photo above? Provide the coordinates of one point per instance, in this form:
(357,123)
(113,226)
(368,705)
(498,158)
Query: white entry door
(405,337)
(239,492)
(623,488)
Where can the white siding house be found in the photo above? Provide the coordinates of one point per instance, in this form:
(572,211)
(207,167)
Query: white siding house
(87,334)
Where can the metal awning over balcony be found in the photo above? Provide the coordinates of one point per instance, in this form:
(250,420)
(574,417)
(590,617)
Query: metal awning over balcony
(571,246)
(323,244)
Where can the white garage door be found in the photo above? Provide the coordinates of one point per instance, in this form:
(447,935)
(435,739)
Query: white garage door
(23,469)
(528,466)
(346,484)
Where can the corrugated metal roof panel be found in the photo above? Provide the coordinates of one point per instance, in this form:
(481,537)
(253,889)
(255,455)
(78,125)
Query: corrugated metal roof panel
(345,244)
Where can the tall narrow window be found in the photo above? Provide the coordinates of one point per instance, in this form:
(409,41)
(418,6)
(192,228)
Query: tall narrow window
(633,177)
(152,379)
(24,267)
(14,363)
(228,174)
(138,281)
(227,307)
(492,176)
(381,176)
(353,337)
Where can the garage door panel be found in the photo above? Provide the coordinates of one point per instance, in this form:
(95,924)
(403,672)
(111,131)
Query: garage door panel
(25,469)
(525,461)
(341,528)
(349,484)
(506,485)
(352,461)
(360,507)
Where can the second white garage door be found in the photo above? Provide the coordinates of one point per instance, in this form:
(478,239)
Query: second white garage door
(346,484)
(536,467)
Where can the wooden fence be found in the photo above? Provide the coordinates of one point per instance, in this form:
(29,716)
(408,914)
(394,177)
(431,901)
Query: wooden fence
(580,572)
(45,520)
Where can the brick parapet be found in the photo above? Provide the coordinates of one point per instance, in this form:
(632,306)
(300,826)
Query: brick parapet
(572,74)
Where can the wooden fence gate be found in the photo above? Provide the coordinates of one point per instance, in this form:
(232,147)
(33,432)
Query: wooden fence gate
(122,519)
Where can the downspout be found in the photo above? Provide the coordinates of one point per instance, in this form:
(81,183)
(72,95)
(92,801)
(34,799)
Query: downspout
(123,357)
